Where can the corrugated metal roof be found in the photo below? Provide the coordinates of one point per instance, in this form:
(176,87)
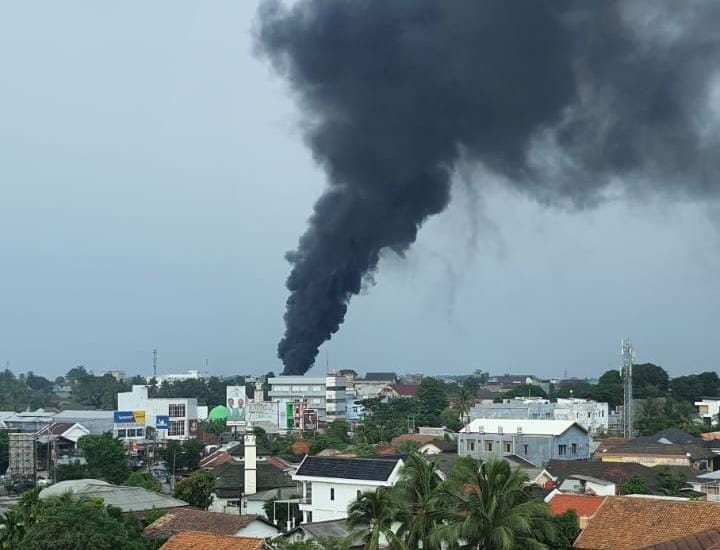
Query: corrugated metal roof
(525,425)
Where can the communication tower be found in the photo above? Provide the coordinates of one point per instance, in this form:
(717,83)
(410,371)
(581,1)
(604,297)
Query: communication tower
(628,355)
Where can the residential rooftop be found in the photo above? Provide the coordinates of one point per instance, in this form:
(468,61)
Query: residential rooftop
(191,540)
(188,519)
(365,469)
(524,426)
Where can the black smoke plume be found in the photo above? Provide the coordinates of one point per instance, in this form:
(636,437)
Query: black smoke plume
(567,101)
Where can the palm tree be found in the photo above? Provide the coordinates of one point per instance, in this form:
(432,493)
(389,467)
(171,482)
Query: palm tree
(486,507)
(376,510)
(418,485)
(463,403)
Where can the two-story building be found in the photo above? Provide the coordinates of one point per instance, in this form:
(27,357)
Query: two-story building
(329,485)
(172,417)
(536,441)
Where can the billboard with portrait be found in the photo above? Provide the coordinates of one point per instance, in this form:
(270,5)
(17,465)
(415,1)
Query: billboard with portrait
(310,419)
(235,402)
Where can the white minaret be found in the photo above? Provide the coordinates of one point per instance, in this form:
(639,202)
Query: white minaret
(259,393)
(250,461)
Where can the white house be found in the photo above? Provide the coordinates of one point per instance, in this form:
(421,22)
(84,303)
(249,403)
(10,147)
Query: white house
(592,415)
(328,485)
(709,409)
(172,417)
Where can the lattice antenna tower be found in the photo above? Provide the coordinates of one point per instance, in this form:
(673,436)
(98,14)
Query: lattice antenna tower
(628,355)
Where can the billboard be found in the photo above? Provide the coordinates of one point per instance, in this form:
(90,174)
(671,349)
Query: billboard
(310,419)
(192,427)
(235,402)
(289,407)
(162,422)
(266,411)
(129,417)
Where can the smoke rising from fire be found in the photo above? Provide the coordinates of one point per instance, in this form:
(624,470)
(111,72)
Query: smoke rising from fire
(564,100)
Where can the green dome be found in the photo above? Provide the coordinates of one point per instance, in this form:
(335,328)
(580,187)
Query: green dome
(218,413)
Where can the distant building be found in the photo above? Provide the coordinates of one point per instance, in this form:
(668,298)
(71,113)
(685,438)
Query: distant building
(96,421)
(536,441)
(590,414)
(380,378)
(297,394)
(118,375)
(189,375)
(172,417)
(709,409)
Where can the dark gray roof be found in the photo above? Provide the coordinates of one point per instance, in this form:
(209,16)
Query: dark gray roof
(336,528)
(368,469)
(665,449)
(230,478)
(380,376)
(673,435)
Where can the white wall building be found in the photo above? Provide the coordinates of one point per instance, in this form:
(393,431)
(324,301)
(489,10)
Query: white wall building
(326,395)
(329,485)
(708,409)
(592,415)
(192,374)
(172,417)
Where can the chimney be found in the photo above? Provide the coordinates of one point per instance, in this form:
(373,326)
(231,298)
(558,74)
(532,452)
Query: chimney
(250,461)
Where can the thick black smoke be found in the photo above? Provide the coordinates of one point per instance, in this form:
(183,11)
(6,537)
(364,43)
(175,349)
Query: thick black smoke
(564,100)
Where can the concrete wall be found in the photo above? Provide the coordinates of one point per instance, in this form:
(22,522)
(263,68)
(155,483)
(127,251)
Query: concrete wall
(538,449)
(323,508)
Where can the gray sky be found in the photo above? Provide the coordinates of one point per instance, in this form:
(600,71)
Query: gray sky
(152,176)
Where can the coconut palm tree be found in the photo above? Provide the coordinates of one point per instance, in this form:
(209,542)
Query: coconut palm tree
(418,486)
(377,511)
(463,403)
(486,507)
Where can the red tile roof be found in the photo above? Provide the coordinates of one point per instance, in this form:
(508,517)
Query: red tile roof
(190,540)
(408,390)
(634,522)
(707,540)
(202,521)
(584,505)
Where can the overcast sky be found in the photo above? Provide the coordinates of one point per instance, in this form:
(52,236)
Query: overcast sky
(152,175)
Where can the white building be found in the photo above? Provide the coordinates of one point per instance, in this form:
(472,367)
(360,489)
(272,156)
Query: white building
(189,375)
(293,394)
(708,409)
(329,485)
(592,415)
(172,417)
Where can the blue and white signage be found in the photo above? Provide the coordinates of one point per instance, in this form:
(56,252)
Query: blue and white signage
(162,422)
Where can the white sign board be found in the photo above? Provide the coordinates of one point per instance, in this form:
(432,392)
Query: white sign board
(235,402)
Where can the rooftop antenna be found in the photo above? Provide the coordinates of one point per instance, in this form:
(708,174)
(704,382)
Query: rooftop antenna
(628,355)
(154,363)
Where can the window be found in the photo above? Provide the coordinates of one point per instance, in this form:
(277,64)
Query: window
(359,494)
(308,491)
(122,434)
(525,449)
(470,445)
(488,446)
(562,450)
(507,446)
(177,427)
(176,410)
(140,432)
(573,449)
(332,493)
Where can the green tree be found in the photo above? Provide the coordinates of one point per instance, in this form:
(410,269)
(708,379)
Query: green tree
(634,485)
(144,480)
(670,481)
(66,522)
(338,429)
(432,396)
(649,380)
(451,419)
(486,506)
(566,531)
(408,446)
(418,487)
(197,489)
(73,470)
(183,456)
(106,457)
(376,511)
(654,415)
(525,390)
